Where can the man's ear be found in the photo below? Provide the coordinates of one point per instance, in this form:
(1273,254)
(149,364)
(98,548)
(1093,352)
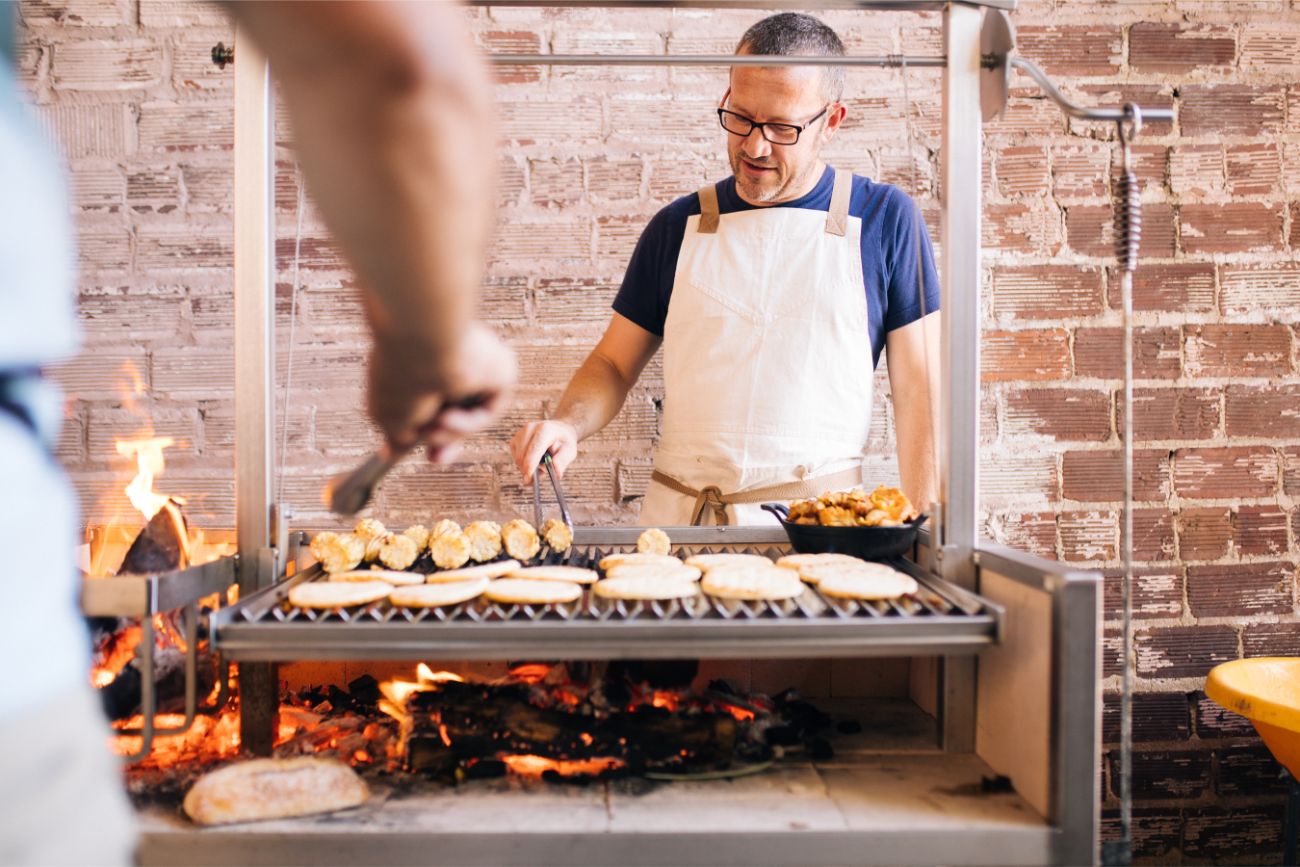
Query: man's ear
(725,96)
(834,118)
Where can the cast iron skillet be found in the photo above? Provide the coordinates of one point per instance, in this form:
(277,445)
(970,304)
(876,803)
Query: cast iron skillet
(869,543)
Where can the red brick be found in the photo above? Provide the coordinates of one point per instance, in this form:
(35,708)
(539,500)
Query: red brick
(185,247)
(1089,536)
(633,479)
(1153,535)
(1263,411)
(1017,476)
(1239,590)
(1032,355)
(1047,291)
(616,237)
(1291,471)
(1156,832)
(511,183)
(103,65)
(1172,413)
(1254,169)
(556,182)
(1238,350)
(1261,531)
(1157,592)
(172,127)
(1223,473)
(1212,834)
(1183,651)
(181,13)
(610,180)
(1160,775)
(1073,50)
(1145,95)
(1293,238)
(1264,287)
(1175,48)
(89,130)
(1080,171)
(1157,716)
(1270,49)
(1215,721)
(1099,352)
(1034,532)
(1022,228)
(1089,230)
(1182,287)
(108,319)
(512,42)
(1234,227)
(1271,639)
(1231,109)
(1248,770)
(1022,171)
(1097,476)
(1079,415)
(1204,534)
(1198,170)
(571,301)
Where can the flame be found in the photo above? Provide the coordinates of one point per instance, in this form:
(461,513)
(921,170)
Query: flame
(535,766)
(530,672)
(398,691)
(428,676)
(149,463)
(667,700)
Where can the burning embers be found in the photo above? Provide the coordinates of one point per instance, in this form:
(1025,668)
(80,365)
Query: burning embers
(570,721)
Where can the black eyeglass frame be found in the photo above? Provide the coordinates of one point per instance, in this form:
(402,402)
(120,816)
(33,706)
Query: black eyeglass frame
(763,127)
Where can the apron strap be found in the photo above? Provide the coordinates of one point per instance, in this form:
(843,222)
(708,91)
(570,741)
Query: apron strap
(708,210)
(712,498)
(837,218)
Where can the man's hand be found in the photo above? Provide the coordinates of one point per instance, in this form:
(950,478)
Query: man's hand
(439,400)
(537,438)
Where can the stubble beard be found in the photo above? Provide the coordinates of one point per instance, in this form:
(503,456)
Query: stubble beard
(767,192)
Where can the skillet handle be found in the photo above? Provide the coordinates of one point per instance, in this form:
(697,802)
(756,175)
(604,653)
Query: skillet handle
(781,510)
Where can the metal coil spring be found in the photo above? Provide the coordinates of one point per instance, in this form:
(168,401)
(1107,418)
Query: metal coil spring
(1128,220)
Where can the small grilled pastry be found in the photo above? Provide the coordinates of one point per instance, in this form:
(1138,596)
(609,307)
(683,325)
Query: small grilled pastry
(397,552)
(557,534)
(653,541)
(370,532)
(520,540)
(446,525)
(450,550)
(484,540)
(419,534)
(338,552)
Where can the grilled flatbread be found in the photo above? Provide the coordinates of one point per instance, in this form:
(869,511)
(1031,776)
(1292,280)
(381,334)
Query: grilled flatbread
(705,562)
(813,573)
(654,571)
(867,585)
(327,594)
(575,574)
(397,579)
(274,789)
(798,561)
(495,569)
(751,581)
(645,587)
(524,591)
(638,557)
(434,595)
(654,541)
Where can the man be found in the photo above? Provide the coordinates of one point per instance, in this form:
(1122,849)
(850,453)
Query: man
(389,103)
(773,293)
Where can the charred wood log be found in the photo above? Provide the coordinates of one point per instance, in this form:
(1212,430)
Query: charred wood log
(161,545)
(123,697)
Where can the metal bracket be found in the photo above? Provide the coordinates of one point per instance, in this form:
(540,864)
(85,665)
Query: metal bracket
(223,55)
(997,41)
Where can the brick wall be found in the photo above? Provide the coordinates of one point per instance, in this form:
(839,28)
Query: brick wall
(590,154)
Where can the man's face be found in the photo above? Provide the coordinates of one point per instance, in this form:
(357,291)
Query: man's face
(768,173)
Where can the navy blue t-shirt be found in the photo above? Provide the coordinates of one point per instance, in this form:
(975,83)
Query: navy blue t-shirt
(891,230)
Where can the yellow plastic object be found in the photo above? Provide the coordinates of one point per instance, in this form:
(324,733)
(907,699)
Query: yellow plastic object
(1265,691)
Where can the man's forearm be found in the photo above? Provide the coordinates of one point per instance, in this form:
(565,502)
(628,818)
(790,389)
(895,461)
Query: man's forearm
(916,468)
(391,120)
(593,397)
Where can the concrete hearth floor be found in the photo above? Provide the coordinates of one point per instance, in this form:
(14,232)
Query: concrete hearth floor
(888,797)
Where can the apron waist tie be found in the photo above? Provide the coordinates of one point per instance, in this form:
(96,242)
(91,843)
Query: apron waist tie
(711,497)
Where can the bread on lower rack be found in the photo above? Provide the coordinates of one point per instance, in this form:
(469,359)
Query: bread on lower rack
(262,789)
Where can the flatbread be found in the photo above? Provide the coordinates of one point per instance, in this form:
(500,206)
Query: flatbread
(629,557)
(814,573)
(705,562)
(867,585)
(328,594)
(525,591)
(495,569)
(654,541)
(397,579)
(450,550)
(274,789)
(520,539)
(659,571)
(433,595)
(797,561)
(645,587)
(751,581)
(484,540)
(575,574)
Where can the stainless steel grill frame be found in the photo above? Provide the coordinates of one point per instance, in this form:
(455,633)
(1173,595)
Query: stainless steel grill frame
(940,619)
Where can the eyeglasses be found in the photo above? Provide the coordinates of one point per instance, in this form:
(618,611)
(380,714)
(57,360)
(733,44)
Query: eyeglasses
(776,133)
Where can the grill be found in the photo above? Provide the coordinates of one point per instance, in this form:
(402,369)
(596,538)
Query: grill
(940,619)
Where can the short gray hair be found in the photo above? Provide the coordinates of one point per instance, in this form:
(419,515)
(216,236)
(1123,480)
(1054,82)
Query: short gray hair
(793,33)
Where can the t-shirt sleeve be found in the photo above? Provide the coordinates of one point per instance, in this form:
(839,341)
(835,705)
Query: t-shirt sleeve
(648,282)
(908,247)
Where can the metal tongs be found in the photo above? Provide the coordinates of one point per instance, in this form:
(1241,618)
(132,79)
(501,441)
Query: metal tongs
(559,494)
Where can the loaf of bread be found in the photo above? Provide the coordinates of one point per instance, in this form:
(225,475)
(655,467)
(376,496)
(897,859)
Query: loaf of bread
(262,789)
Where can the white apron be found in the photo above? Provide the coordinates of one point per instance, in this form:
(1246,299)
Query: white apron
(767,363)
